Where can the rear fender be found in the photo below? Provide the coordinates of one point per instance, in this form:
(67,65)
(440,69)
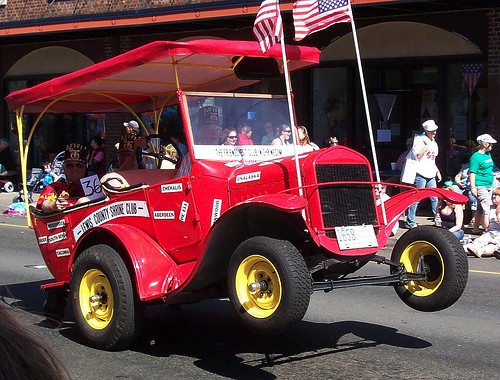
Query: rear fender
(154,270)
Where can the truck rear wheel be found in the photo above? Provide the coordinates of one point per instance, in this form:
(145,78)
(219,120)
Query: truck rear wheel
(446,264)
(269,284)
(105,306)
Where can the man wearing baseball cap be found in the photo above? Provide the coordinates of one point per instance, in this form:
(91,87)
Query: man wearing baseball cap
(481,180)
(425,151)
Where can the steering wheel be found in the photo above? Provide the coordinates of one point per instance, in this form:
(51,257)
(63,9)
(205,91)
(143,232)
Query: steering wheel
(160,154)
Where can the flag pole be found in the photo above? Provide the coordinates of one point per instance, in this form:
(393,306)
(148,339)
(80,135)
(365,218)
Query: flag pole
(290,108)
(367,110)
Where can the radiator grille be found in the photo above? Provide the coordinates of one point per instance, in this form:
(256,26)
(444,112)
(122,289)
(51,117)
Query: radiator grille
(345,205)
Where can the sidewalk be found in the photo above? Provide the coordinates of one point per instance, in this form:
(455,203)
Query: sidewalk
(6,200)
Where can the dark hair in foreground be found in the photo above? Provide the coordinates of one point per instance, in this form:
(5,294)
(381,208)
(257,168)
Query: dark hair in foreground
(23,355)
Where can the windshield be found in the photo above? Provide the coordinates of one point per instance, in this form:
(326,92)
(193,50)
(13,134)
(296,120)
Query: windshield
(229,127)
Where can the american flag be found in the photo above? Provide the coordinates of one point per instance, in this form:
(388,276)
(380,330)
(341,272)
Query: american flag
(310,16)
(471,73)
(268,25)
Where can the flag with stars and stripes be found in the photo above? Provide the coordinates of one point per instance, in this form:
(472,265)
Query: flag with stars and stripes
(471,73)
(268,25)
(311,16)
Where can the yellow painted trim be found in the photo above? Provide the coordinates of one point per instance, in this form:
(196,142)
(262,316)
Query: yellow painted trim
(483,272)
(14,225)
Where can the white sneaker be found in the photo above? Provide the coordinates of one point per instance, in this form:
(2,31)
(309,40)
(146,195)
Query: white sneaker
(474,251)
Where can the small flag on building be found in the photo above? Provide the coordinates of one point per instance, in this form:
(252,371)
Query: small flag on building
(268,26)
(311,16)
(471,73)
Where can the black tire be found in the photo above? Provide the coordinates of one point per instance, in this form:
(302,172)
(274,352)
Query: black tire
(280,266)
(446,262)
(20,197)
(113,320)
(8,187)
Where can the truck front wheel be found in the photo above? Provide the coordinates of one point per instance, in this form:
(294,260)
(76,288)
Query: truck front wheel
(269,284)
(444,260)
(105,306)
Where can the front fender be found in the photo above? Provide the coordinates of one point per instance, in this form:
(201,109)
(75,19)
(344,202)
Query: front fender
(155,271)
(398,203)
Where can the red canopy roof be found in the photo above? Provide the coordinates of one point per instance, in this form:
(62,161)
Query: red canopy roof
(144,79)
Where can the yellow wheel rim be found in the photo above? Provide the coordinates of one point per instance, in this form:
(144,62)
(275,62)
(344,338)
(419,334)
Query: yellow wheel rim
(433,263)
(96,299)
(263,302)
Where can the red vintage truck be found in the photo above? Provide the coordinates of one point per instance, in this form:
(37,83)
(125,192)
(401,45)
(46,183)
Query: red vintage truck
(263,225)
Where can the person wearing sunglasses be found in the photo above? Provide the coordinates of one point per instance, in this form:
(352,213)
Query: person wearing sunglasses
(284,136)
(231,137)
(67,191)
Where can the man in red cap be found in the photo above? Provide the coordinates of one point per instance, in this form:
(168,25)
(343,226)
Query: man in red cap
(66,191)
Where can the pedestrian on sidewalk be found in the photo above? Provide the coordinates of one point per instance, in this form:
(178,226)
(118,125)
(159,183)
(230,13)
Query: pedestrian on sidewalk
(481,180)
(425,150)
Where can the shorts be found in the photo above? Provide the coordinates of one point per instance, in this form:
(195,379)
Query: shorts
(484,195)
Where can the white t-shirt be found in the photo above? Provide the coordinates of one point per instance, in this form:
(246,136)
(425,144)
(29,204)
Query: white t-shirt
(494,224)
(427,163)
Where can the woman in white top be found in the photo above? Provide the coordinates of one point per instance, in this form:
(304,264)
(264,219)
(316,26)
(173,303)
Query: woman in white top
(303,139)
(425,151)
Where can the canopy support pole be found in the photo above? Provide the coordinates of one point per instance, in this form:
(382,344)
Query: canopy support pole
(23,157)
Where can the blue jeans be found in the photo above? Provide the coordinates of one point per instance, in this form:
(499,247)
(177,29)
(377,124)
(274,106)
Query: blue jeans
(420,183)
(466,191)
(459,234)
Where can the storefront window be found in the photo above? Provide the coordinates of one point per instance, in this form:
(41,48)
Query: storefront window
(467,110)
(53,131)
(329,105)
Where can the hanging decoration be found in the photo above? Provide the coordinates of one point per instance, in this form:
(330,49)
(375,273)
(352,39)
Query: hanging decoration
(471,73)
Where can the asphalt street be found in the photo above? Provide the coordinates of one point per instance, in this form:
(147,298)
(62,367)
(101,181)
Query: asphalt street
(355,333)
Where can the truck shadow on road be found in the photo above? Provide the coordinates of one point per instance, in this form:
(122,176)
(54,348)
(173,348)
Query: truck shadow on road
(27,296)
(210,333)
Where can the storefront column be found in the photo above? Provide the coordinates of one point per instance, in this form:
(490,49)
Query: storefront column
(494,73)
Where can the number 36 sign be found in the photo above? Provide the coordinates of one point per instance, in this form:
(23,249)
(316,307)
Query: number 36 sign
(92,187)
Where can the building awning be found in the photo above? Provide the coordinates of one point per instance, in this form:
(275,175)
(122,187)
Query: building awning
(399,39)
